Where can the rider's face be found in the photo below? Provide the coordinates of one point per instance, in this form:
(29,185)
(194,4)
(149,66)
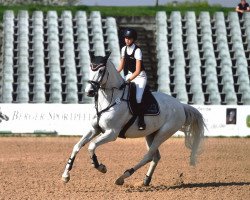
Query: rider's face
(129,41)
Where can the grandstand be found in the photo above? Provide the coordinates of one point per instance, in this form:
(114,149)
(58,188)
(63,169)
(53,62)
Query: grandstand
(200,59)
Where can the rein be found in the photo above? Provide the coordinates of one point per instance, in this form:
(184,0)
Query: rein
(117,101)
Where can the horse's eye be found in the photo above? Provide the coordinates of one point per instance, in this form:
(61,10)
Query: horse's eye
(101,71)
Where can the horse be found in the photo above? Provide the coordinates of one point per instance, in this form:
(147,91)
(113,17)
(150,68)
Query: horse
(112,114)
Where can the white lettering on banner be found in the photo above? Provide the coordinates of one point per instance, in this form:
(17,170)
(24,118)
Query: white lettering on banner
(74,119)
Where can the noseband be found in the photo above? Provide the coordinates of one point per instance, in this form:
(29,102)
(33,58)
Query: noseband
(95,85)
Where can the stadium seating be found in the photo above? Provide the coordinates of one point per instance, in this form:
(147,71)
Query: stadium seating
(162,53)
(201,59)
(46,57)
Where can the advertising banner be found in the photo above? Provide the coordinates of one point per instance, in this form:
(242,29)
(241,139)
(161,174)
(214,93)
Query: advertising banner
(63,119)
(74,119)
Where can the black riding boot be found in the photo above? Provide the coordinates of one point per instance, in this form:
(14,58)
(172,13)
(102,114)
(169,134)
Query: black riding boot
(141,122)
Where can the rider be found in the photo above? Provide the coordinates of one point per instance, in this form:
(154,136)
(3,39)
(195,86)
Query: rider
(132,64)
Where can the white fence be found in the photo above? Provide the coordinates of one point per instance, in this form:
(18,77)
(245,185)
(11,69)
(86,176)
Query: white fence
(73,119)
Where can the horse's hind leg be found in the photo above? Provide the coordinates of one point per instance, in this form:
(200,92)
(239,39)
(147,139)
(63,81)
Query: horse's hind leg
(159,138)
(85,139)
(153,163)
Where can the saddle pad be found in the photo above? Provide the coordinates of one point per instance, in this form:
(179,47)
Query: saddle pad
(149,102)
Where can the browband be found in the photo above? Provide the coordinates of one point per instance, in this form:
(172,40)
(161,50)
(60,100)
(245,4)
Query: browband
(95,67)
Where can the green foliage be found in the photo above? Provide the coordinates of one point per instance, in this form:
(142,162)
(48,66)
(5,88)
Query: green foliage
(120,11)
(248,121)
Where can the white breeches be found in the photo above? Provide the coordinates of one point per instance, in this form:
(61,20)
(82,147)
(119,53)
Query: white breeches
(140,82)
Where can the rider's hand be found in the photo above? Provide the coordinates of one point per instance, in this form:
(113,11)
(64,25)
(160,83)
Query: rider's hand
(124,84)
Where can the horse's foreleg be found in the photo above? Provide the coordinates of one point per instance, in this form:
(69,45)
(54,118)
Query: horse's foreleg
(85,139)
(106,137)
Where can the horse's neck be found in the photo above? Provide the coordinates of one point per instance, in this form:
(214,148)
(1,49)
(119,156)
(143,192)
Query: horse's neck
(107,97)
(111,92)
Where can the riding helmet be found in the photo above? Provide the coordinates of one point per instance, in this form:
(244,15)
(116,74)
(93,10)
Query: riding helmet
(130,33)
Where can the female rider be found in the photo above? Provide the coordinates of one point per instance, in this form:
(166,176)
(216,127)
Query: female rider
(134,71)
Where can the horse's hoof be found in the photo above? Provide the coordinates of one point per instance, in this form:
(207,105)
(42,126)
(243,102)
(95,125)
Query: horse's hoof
(102,168)
(147,181)
(119,181)
(66,179)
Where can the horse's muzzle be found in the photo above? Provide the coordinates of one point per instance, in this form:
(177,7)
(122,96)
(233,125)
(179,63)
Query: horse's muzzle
(92,89)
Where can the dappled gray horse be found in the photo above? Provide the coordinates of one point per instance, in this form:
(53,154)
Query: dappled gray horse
(112,114)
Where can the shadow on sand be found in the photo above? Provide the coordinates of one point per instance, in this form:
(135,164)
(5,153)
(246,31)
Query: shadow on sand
(152,188)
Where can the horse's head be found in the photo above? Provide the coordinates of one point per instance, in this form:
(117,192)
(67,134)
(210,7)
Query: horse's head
(99,73)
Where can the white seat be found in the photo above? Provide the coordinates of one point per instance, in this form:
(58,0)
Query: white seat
(71,77)
(179,87)
(182,96)
(23,92)
(55,78)
(39,97)
(113,40)
(198,98)
(242,69)
(241,61)
(225,69)
(227,78)
(196,88)
(228,87)
(71,97)
(196,79)
(55,97)
(7,90)
(244,88)
(230,98)
(214,98)
(243,78)
(211,81)
(246,98)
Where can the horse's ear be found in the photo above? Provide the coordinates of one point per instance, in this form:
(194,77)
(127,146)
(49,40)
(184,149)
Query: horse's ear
(91,54)
(108,54)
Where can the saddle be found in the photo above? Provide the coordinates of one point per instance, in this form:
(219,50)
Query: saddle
(150,105)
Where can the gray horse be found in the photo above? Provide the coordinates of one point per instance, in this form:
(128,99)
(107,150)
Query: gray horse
(112,113)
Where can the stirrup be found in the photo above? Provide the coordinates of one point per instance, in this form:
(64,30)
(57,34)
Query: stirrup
(142,127)
(141,124)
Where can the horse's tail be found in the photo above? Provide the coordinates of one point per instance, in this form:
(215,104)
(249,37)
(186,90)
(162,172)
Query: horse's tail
(194,128)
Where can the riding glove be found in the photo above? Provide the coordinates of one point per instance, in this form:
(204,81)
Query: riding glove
(124,84)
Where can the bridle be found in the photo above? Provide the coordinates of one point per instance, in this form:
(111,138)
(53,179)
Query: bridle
(97,85)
